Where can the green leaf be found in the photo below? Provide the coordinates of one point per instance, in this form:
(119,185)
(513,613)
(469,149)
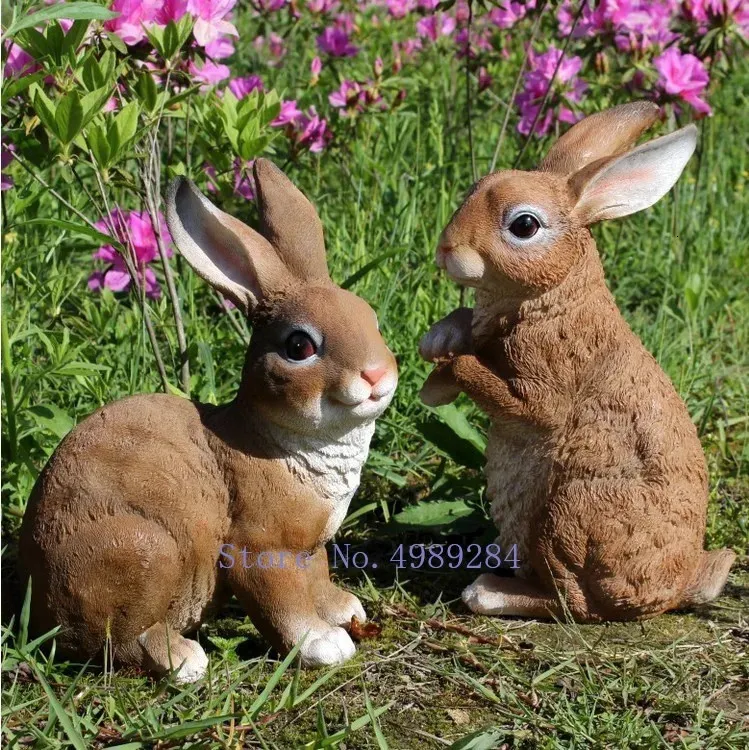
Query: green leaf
(94,102)
(69,117)
(459,424)
(74,37)
(44,108)
(18,86)
(484,739)
(146,91)
(71,226)
(52,418)
(99,145)
(73,11)
(433,514)
(448,430)
(123,128)
(62,715)
(365,269)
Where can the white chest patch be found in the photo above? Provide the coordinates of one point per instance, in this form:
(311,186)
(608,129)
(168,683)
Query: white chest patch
(330,466)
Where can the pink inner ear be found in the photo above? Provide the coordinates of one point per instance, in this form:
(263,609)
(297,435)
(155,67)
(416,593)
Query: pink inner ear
(632,181)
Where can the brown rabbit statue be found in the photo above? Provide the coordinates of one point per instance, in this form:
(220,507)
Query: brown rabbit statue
(594,468)
(155,508)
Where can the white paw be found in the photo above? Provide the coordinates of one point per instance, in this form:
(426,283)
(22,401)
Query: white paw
(448,337)
(330,647)
(482,597)
(193,664)
(342,614)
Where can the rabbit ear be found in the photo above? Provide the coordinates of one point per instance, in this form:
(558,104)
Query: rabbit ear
(290,223)
(608,133)
(622,185)
(229,255)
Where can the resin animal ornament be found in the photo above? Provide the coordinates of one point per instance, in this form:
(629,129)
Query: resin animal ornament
(137,525)
(594,468)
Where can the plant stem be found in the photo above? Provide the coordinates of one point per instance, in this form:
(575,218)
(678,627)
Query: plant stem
(10,403)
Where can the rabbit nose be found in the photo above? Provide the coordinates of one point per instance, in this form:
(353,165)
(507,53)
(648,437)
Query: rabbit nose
(374,374)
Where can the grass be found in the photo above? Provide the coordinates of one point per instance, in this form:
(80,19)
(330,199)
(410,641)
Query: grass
(435,675)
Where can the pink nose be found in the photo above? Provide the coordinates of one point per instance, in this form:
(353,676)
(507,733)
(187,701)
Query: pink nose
(374,375)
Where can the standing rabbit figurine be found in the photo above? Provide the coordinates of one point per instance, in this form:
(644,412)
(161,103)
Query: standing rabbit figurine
(594,468)
(136,528)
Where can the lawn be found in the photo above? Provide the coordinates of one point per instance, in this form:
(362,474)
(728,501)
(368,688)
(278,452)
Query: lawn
(434,675)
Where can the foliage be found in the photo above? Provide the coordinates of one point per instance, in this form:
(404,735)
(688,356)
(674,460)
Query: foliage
(384,113)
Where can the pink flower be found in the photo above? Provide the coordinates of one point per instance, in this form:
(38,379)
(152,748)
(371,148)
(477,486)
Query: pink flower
(136,232)
(220,48)
(508,15)
(6,157)
(274,43)
(289,114)
(270,6)
(209,73)
(313,132)
(336,43)
(347,96)
(322,6)
(134,14)
(564,88)
(400,8)
(244,184)
(170,10)
(242,87)
(485,80)
(19,63)
(683,76)
(315,69)
(432,27)
(211,20)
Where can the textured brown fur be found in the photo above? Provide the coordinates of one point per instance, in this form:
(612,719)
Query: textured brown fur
(124,528)
(594,466)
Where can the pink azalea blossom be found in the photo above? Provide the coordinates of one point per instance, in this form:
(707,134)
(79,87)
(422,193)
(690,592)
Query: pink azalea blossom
(244,182)
(209,73)
(485,80)
(315,69)
(566,87)
(433,27)
(506,16)
(271,6)
(242,87)
(336,43)
(322,6)
(347,96)
(274,43)
(290,113)
(400,8)
(19,62)
(211,20)
(312,132)
(220,48)
(683,76)
(134,15)
(170,10)
(135,231)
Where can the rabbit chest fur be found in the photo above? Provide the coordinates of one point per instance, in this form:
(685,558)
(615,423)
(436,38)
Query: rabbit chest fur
(330,465)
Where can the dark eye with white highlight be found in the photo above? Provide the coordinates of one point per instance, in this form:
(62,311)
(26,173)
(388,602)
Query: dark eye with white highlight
(300,346)
(524,226)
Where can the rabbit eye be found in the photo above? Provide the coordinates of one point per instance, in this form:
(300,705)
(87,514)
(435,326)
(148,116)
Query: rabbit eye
(525,226)
(299,346)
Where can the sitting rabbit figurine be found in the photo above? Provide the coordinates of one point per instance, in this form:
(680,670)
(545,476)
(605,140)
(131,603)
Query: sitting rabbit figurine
(594,468)
(135,528)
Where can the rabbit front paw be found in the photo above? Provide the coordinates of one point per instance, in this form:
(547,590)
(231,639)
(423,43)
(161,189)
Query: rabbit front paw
(440,387)
(448,337)
(321,649)
(337,607)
